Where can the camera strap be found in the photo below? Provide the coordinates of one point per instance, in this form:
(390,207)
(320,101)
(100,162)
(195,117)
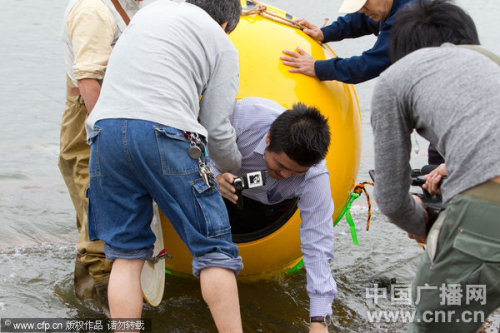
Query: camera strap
(483,51)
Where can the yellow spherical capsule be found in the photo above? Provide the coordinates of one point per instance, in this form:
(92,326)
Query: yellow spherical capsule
(260,41)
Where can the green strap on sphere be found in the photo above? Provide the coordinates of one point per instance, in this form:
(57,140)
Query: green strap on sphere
(347,212)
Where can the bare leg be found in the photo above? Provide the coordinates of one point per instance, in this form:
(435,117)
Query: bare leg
(124,290)
(220,291)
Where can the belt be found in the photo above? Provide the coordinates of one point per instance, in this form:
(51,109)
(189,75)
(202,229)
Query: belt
(487,191)
(73,91)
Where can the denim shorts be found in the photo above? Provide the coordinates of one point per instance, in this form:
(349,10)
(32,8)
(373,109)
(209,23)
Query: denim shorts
(132,163)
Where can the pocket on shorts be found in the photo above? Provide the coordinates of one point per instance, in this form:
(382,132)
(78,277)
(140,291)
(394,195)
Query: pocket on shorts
(94,164)
(478,246)
(478,230)
(212,211)
(173,149)
(483,255)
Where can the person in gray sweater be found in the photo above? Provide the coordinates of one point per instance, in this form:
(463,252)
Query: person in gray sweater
(449,95)
(165,103)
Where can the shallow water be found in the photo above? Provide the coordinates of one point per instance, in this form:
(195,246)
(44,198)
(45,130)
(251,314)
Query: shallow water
(37,220)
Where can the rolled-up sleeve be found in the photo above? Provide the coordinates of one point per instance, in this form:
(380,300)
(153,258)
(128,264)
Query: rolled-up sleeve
(91,29)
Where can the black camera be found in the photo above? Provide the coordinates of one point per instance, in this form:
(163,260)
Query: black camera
(249,180)
(433,203)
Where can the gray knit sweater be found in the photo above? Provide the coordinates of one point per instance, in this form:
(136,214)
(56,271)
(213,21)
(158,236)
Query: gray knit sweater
(451,96)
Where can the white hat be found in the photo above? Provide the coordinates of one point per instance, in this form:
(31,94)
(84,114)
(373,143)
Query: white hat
(351,6)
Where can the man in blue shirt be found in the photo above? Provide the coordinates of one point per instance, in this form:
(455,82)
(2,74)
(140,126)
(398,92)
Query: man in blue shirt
(365,17)
(291,145)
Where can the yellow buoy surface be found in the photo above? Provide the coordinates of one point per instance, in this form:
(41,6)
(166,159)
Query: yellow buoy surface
(260,42)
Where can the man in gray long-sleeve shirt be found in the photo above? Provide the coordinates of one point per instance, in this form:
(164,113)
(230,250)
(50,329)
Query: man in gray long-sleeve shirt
(149,133)
(449,95)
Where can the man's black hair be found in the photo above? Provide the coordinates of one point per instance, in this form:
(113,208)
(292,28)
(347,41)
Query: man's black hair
(430,23)
(302,133)
(221,11)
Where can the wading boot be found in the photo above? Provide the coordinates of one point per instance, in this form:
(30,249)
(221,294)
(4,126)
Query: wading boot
(84,283)
(102,298)
(87,291)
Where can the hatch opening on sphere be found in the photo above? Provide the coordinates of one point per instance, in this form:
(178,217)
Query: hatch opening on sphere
(257,220)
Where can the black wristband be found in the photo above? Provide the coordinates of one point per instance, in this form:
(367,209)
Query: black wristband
(327,320)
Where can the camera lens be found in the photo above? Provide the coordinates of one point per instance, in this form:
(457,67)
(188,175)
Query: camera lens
(238,184)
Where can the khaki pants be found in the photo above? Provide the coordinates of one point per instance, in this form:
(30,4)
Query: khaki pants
(458,282)
(91,267)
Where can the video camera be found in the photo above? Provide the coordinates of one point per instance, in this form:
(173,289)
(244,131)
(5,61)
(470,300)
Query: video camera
(249,180)
(433,203)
